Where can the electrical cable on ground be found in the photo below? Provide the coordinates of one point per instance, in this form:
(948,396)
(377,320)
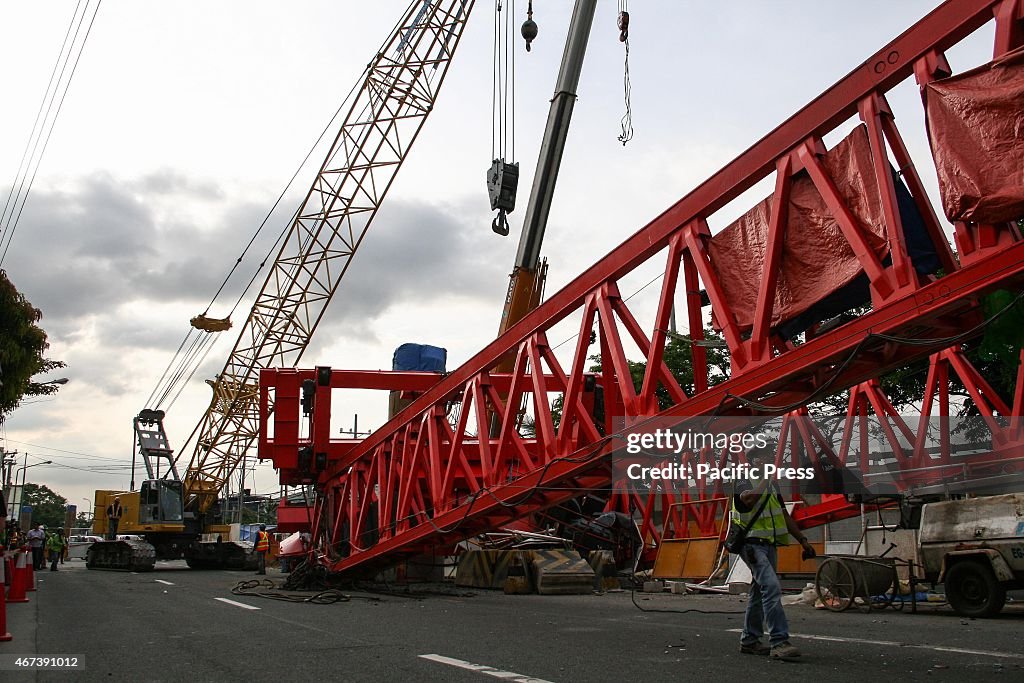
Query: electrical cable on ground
(632,596)
(265,588)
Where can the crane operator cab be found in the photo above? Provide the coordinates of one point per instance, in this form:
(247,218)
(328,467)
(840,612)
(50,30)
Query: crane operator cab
(160,501)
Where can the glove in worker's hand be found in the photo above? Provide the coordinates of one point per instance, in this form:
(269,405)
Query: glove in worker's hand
(809,551)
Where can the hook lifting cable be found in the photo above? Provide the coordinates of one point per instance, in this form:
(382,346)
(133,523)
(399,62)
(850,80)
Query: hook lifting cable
(503,176)
(627,118)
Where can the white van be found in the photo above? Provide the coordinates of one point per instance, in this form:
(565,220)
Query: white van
(77,545)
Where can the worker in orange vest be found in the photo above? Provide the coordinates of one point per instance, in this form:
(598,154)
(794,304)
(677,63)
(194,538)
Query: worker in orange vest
(262,547)
(114,512)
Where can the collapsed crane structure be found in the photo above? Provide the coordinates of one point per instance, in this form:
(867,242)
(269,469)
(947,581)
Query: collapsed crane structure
(854,220)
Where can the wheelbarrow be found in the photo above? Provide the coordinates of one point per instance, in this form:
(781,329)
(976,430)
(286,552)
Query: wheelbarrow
(841,579)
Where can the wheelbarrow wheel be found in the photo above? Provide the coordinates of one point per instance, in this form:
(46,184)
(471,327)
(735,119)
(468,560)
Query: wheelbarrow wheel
(834,584)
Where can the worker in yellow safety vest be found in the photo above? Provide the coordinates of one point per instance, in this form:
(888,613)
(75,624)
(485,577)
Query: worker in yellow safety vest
(758,508)
(262,547)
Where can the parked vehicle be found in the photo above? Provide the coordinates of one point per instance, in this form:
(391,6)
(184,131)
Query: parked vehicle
(976,547)
(78,545)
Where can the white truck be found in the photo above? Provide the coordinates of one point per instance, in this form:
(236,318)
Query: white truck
(975,547)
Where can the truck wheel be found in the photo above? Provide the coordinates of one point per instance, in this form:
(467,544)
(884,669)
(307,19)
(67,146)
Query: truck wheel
(973,591)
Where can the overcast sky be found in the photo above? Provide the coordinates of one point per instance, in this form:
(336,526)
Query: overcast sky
(186,119)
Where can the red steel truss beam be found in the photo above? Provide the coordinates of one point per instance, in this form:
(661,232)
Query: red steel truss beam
(418,482)
(939,30)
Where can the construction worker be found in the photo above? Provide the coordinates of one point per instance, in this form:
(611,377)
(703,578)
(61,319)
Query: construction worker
(262,547)
(55,547)
(36,540)
(758,507)
(114,512)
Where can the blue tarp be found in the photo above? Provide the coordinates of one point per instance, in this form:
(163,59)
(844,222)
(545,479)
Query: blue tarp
(419,358)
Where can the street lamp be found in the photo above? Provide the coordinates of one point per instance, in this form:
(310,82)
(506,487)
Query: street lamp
(90,508)
(62,380)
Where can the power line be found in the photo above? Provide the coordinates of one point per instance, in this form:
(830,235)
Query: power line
(59,450)
(42,132)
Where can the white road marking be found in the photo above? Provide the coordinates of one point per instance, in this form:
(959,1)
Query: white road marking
(236,604)
(891,643)
(484,669)
(166,583)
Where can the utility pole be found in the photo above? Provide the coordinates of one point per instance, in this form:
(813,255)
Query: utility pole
(7,460)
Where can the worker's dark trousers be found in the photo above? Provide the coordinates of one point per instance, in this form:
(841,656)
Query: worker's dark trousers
(261,563)
(38,559)
(112,529)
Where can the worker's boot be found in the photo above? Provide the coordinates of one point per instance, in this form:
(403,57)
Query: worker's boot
(755,648)
(785,652)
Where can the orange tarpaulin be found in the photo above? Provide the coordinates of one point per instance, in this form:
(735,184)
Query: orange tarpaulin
(975,126)
(816,260)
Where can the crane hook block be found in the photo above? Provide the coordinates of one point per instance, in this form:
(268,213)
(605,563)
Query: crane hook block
(502,183)
(201,322)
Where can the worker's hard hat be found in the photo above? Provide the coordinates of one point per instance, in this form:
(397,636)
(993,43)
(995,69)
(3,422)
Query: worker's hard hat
(263,527)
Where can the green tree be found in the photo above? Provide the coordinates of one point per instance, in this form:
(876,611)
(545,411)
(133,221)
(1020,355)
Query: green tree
(679,360)
(48,507)
(22,344)
(995,354)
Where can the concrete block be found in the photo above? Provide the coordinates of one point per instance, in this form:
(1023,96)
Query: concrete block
(653,586)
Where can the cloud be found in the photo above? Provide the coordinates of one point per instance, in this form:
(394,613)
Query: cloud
(119,266)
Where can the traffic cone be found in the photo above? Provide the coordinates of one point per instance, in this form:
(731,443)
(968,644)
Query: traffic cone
(17,591)
(4,634)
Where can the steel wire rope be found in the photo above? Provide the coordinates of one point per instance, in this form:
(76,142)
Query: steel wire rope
(502,85)
(53,121)
(627,119)
(196,338)
(163,376)
(195,368)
